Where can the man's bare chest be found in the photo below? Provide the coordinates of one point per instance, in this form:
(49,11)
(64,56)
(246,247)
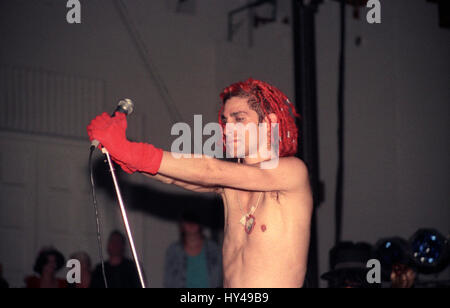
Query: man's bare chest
(252,218)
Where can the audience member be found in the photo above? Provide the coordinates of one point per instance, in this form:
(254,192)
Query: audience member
(120,272)
(193,261)
(48,263)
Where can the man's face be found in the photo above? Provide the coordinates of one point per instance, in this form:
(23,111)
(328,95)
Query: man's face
(190,228)
(237,111)
(116,246)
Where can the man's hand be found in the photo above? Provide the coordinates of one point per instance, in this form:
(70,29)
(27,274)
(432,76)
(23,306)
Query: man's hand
(131,156)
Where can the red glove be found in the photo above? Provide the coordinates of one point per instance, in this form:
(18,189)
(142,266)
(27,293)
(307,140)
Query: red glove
(131,156)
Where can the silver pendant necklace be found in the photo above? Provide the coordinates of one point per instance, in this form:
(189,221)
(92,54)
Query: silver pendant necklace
(248,220)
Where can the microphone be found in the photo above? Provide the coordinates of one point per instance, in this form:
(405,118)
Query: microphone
(125,106)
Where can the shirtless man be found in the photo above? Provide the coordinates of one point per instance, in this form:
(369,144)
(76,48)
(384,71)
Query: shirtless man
(267,211)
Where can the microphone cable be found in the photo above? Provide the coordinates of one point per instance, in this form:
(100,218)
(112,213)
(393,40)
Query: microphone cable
(97,219)
(125,106)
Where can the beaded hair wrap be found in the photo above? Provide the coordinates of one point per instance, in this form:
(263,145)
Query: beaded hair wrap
(266,99)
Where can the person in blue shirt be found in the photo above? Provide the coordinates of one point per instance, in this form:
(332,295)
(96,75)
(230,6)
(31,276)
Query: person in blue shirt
(194,261)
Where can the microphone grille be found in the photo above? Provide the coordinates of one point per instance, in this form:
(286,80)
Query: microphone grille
(126,105)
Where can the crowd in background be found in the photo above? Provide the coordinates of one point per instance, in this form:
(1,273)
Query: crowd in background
(193,261)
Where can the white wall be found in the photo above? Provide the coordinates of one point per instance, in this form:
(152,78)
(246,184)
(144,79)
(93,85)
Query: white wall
(397,111)
(397,122)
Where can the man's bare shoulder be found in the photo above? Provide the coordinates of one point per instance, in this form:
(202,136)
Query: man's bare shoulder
(293,166)
(294,162)
(300,190)
(290,174)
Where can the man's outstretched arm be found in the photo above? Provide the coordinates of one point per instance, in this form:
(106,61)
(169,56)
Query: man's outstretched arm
(183,184)
(290,174)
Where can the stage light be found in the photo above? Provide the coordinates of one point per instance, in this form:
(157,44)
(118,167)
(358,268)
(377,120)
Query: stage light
(430,250)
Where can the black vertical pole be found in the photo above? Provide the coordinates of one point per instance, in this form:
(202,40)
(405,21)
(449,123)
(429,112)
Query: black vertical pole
(306,104)
(340,168)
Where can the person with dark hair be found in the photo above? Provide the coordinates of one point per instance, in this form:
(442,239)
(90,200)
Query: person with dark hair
(396,261)
(267,196)
(120,271)
(194,261)
(48,263)
(348,262)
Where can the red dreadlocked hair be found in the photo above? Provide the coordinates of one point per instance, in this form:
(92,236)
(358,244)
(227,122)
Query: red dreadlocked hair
(266,99)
